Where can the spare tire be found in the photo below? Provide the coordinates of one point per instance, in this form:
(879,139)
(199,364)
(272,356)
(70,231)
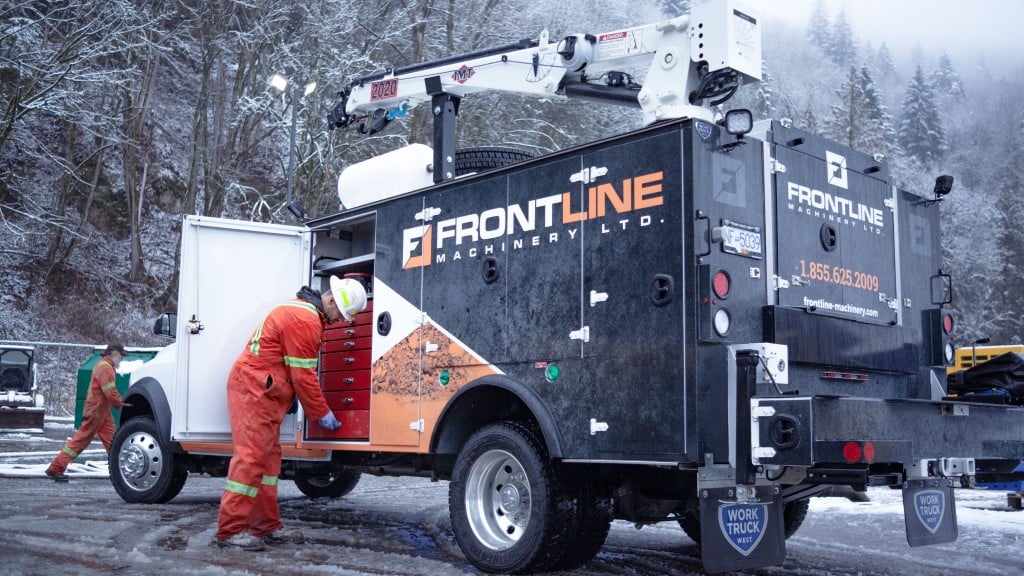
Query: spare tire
(480,159)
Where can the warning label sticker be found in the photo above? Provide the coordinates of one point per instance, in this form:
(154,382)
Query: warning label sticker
(619,44)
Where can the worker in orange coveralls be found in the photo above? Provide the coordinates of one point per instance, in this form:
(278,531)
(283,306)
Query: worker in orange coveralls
(96,418)
(278,363)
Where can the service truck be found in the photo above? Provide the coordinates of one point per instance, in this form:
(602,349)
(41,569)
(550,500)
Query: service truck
(703,321)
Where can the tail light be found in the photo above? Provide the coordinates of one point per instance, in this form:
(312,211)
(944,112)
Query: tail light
(940,327)
(721,284)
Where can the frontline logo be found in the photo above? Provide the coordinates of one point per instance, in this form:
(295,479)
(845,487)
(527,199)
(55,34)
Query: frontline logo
(834,208)
(930,506)
(544,220)
(836,169)
(743,525)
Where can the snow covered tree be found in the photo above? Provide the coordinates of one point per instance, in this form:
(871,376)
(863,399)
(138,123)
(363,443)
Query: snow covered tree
(818,31)
(883,63)
(841,47)
(920,126)
(809,120)
(1008,325)
(764,105)
(945,80)
(673,8)
(859,120)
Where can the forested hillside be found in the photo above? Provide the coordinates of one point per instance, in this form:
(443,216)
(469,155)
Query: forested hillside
(120,116)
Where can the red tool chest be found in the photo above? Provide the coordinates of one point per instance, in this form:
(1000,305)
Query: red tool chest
(345,367)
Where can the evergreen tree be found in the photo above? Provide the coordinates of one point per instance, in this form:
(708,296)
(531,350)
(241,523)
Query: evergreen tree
(1009,292)
(859,119)
(809,121)
(878,122)
(818,32)
(673,8)
(945,80)
(884,64)
(920,128)
(763,105)
(841,47)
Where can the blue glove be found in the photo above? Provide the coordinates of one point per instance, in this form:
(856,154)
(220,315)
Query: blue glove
(329,422)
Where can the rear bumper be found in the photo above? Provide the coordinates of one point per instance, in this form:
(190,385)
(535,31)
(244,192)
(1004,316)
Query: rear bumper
(817,430)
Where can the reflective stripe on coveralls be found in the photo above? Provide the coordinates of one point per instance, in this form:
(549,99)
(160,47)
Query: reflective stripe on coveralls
(278,363)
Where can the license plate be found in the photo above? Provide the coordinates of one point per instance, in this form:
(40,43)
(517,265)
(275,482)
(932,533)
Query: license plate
(741,239)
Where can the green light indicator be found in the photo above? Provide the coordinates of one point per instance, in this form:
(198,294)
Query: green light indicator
(552,373)
(444,378)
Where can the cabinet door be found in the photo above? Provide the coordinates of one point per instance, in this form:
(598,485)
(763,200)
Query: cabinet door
(635,354)
(232,274)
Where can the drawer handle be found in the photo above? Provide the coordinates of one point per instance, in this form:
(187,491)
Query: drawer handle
(348,380)
(350,360)
(347,401)
(350,332)
(350,344)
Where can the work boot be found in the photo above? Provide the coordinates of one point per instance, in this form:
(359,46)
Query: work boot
(61,477)
(285,536)
(242,541)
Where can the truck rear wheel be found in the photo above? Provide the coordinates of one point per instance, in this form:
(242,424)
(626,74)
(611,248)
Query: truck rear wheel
(143,469)
(330,485)
(509,506)
(592,522)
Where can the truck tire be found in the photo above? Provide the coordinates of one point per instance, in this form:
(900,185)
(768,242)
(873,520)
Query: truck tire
(469,160)
(143,469)
(510,508)
(594,519)
(331,485)
(793,515)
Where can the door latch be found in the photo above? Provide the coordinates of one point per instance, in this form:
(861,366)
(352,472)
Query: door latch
(195,325)
(596,297)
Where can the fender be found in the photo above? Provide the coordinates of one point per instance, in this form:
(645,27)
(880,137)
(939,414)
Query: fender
(147,398)
(489,399)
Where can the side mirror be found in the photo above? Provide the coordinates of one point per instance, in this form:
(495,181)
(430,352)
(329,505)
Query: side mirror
(166,325)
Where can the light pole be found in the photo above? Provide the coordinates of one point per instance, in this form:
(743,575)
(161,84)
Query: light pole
(281,83)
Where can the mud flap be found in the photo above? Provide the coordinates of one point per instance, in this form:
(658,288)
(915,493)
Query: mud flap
(929,511)
(739,535)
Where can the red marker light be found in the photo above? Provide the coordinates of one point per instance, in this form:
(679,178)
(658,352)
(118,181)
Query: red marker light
(869,452)
(852,452)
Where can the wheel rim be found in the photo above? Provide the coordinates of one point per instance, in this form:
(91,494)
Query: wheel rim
(498,499)
(140,461)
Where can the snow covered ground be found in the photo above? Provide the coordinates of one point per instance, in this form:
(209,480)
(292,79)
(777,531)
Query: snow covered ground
(400,526)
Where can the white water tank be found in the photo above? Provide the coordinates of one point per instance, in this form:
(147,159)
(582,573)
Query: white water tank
(390,174)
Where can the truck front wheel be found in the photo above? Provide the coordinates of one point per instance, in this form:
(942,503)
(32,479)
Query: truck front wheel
(509,506)
(143,469)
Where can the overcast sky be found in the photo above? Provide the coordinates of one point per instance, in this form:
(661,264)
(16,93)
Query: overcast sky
(964,30)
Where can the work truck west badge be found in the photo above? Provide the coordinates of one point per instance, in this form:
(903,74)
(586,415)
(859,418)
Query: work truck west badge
(743,525)
(930,507)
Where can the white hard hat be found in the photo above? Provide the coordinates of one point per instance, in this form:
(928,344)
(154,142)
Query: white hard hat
(350,296)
